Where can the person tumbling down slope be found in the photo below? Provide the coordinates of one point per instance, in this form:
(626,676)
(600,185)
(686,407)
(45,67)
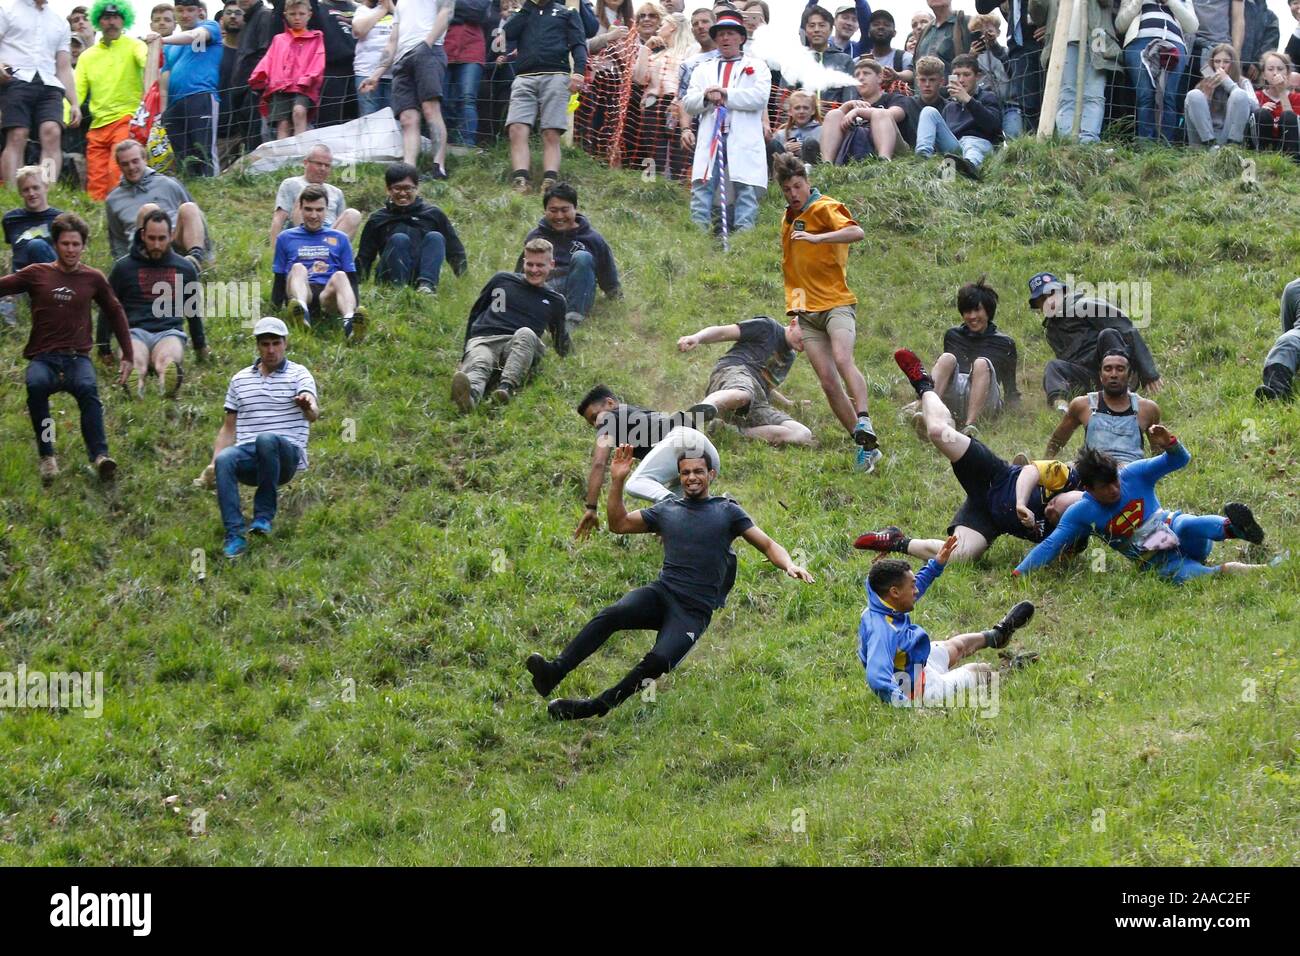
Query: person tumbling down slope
(903,667)
(698,572)
(1120,506)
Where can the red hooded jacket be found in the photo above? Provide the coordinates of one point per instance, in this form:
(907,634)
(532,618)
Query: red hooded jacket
(292,64)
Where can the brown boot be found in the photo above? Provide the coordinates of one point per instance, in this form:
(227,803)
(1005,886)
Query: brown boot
(106,467)
(49,468)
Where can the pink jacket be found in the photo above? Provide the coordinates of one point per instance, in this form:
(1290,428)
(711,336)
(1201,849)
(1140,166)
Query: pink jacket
(291,65)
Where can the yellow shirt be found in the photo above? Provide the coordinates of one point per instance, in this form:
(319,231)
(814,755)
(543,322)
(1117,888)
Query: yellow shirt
(112,75)
(816,274)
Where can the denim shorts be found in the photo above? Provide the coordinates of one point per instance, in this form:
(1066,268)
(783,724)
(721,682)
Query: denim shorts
(151,339)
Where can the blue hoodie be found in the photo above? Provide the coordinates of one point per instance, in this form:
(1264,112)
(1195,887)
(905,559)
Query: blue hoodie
(892,649)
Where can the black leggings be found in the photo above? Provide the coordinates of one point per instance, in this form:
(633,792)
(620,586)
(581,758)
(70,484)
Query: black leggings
(650,608)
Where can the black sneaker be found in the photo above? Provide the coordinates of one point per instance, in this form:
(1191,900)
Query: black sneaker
(1278,380)
(503,394)
(543,671)
(964,166)
(1016,662)
(1016,618)
(577,708)
(1242,523)
(916,374)
(700,414)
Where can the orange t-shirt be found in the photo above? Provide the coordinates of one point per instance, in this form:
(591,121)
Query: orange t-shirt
(816,274)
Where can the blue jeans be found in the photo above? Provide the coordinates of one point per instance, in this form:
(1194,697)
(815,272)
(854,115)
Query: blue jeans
(32,251)
(1196,536)
(268,462)
(368,103)
(402,264)
(578,285)
(932,132)
(1144,92)
(1094,98)
(49,373)
(460,105)
(744,213)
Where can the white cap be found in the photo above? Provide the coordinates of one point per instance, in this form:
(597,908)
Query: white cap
(270,325)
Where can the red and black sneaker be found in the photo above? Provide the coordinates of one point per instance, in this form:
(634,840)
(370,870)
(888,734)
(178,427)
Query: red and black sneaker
(916,374)
(890,539)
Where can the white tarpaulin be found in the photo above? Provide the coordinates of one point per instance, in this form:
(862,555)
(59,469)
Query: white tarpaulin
(376,138)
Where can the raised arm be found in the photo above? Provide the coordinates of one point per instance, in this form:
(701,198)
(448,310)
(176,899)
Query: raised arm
(590,520)
(776,554)
(1064,431)
(712,333)
(620,520)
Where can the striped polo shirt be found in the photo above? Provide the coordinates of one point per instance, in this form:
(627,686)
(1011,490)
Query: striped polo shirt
(1156,21)
(264,403)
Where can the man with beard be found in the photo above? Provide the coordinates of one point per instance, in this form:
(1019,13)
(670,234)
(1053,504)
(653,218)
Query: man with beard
(1113,418)
(699,570)
(158,289)
(1023,501)
(896,65)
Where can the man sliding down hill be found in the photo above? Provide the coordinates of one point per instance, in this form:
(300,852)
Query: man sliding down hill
(699,570)
(1024,501)
(1120,506)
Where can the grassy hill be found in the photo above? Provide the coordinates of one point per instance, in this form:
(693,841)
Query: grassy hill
(425,554)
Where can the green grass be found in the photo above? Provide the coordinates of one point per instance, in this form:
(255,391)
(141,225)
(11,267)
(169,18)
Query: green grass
(424,560)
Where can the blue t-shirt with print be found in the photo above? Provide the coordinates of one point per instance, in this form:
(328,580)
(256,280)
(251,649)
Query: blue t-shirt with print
(322,253)
(195,67)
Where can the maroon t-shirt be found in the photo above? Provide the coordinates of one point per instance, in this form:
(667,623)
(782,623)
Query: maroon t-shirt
(61,304)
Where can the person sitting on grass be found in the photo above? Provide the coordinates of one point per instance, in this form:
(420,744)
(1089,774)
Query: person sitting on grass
(503,338)
(1120,506)
(976,373)
(698,572)
(816,232)
(902,666)
(866,126)
(1024,501)
(407,239)
(141,190)
(744,380)
(159,291)
(290,75)
(969,125)
(1114,419)
(58,348)
(655,440)
(583,258)
(1282,359)
(316,166)
(27,229)
(314,270)
(263,441)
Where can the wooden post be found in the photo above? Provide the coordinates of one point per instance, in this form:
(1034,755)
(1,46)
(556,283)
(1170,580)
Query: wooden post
(152,64)
(1055,67)
(1080,70)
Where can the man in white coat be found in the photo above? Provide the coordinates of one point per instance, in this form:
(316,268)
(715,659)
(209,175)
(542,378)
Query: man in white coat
(742,85)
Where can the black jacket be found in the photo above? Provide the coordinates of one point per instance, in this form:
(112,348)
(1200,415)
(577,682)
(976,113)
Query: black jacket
(998,347)
(415,220)
(536,307)
(582,239)
(133,280)
(1073,336)
(980,116)
(547,33)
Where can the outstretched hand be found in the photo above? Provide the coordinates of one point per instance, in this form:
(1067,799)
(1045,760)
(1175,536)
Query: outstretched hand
(1161,437)
(799,573)
(687,342)
(590,522)
(621,466)
(945,552)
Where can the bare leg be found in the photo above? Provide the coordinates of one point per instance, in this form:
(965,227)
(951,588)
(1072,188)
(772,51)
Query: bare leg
(300,120)
(981,375)
(729,399)
(789,433)
(52,150)
(337,295)
(550,150)
(348,223)
(951,443)
(410,120)
(519,158)
(437,130)
(282,129)
(165,353)
(190,233)
(842,351)
(970,545)
(140,358)
(295,283)
(1237,567)
(12,158)
(884,136)
(823,364)
(832,135)
(944,367)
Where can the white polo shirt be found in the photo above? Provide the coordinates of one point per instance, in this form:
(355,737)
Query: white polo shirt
(264,403)
(31,38)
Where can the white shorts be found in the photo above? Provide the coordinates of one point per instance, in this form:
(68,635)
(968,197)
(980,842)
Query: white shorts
(940,684)
(958,395)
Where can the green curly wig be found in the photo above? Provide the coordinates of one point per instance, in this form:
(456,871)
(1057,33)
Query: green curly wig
(128,15)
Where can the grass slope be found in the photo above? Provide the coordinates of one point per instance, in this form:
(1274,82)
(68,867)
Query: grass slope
(427,557)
